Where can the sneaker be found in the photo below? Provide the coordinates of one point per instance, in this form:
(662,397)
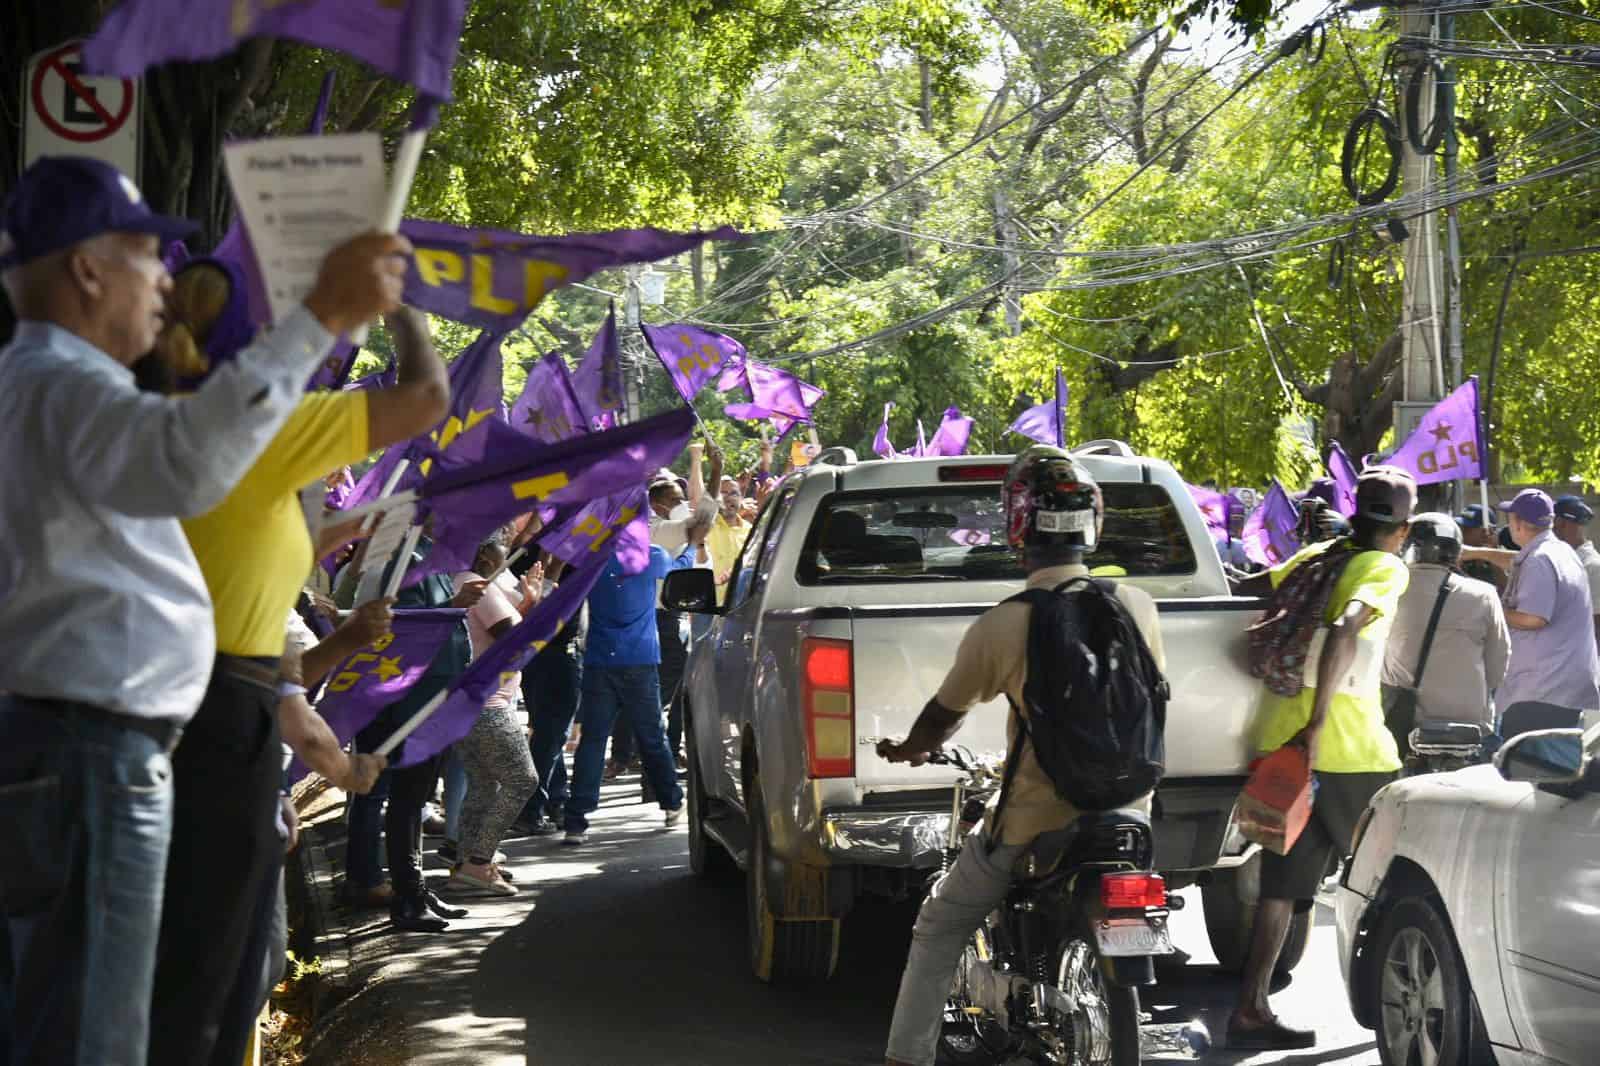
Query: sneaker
(544,827)
(433,826)
(675,816)
(573,839)
(494,884)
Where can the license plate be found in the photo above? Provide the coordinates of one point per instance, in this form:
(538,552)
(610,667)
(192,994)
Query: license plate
(1133,936)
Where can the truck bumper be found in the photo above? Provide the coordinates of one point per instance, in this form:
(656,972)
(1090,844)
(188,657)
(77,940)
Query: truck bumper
(907,840)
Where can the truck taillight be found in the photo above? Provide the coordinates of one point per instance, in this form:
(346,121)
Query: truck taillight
(1133,891)
(827,690)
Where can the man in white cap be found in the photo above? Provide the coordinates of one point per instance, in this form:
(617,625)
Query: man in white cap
(104,613)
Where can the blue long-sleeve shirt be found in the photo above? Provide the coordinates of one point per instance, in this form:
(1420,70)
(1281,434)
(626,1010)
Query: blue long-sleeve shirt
(622,611)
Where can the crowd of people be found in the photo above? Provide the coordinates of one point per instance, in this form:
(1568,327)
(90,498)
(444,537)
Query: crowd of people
(174,596)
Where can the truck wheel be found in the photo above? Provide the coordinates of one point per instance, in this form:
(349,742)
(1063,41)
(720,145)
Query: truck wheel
(784,948)
(1230,907)
(707,858)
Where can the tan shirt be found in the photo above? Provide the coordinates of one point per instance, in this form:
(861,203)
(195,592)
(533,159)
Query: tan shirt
(993,659)
(1470,648)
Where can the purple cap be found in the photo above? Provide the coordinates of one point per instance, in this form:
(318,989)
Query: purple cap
(1533,506)
(62,200)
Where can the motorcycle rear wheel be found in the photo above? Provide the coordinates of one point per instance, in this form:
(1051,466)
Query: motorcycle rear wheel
(1104,1029)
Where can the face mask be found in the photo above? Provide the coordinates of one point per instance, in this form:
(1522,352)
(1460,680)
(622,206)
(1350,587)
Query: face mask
(678,513)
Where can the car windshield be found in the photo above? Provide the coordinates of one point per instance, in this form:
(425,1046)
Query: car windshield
(957,533)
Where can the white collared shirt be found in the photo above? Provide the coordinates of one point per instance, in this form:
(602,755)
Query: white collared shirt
(101,600)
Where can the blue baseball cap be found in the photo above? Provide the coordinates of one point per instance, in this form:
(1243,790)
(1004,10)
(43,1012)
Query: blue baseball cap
(1474,517)
(1533,506)
(1573,509)
(62,200)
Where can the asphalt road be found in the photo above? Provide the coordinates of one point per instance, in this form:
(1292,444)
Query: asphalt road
(614,953)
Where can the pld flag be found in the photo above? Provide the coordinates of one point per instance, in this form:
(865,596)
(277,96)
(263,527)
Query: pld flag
(470,500)
(1046,422)
(1216,507)
(691,355)
(1447,444)
(382,672)
(334,371)
(882,446)
(548,408)
(466,696)
(1344,475)
(617,523)
(492,278)
(475,399)
(952,435)
(386,378)
(1269,531)
(411,40)
(777,391)
(598,382)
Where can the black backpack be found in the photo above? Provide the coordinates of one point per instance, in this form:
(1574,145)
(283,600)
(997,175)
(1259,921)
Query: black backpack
(1095,703)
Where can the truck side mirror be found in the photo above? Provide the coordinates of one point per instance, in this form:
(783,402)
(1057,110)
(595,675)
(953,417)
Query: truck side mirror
(691,590)
(1543,757)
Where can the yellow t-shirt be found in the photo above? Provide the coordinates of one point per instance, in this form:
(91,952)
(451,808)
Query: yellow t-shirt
(253,547)
(724,542)
(1354,738)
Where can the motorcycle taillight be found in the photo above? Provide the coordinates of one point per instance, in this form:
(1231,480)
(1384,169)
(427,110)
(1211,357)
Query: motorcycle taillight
(1133,891)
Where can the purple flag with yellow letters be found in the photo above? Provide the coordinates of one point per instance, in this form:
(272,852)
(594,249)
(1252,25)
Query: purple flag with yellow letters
(467,694)
(1269,536)
(619,523)
(692,356)
(470,498)
(383,671)
(1344,475)
(334,371)
(548,408)
(598,381)
(1447,444)
(413,41)
(493,278)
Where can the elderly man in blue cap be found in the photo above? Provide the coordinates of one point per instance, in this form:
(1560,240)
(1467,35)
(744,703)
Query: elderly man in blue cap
(1571,527)
(104,614)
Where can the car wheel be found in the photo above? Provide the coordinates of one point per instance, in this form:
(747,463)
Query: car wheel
(1229,901)
(1424,999)
(783,948)
(707,858)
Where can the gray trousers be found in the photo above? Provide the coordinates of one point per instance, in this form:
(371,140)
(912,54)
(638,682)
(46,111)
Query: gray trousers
(500,779)
(956,906)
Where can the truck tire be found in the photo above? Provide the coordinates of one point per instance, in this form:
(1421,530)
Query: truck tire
(783,949)
(707,858)
(1230,907)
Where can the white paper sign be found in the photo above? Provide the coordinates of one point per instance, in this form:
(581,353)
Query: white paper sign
(301,197)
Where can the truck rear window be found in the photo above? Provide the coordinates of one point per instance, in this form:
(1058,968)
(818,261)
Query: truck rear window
(957,533)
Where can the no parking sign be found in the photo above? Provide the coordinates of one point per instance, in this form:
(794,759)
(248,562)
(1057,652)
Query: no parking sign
(70,113)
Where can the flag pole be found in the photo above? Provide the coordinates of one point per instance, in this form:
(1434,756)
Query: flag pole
(410,725)
(406,160)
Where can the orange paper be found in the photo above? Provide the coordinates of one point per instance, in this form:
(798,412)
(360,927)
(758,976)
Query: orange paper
(1276,803)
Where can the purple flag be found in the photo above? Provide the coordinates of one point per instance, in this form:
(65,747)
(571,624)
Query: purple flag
(1447,444)
(475,399)
(733,376)
(753,412)
(1344,475)
(386,378)
(334,371)
(1216,507)
(780,391)
(339,495)
(598,382)
(548,409)
(972,538)
(952,435)
(468,693)
(412,40)
(617,523)
(691,355)
(382,672)
(1046,422)
(469,499)
(1268,535)
(881,445)
(493,278)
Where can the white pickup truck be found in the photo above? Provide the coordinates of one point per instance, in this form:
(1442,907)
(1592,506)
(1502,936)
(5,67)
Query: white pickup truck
(855,586)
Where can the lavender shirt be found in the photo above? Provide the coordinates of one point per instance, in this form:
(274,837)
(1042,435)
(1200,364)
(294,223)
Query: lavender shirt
(1557,664)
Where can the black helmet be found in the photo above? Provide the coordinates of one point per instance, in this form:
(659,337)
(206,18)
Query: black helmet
(1051,501)
(1434,538)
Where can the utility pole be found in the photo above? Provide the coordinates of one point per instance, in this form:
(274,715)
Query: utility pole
(632,344)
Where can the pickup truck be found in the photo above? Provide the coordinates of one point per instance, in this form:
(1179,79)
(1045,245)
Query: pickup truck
(856,584)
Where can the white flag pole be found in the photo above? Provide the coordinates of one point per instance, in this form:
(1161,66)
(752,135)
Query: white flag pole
(410,725)
(406,160)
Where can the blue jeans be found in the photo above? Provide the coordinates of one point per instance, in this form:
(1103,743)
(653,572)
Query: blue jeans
(363,849)
(85,824)
(455,793)
(632,693)
(551,687)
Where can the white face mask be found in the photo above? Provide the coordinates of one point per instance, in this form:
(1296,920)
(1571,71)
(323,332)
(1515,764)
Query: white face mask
(678,513)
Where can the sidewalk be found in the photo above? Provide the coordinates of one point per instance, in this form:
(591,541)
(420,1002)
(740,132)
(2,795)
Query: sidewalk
(385,997)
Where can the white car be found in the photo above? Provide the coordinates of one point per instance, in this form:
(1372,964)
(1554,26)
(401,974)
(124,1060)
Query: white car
(1469,913)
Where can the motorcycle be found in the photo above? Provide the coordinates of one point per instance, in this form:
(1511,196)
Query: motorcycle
(1440,747)
(1052,977)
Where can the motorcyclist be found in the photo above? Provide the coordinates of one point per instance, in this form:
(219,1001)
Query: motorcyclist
(1054,512)
(1471,644)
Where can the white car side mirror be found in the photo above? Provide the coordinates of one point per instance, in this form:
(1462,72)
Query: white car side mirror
(1543,757)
